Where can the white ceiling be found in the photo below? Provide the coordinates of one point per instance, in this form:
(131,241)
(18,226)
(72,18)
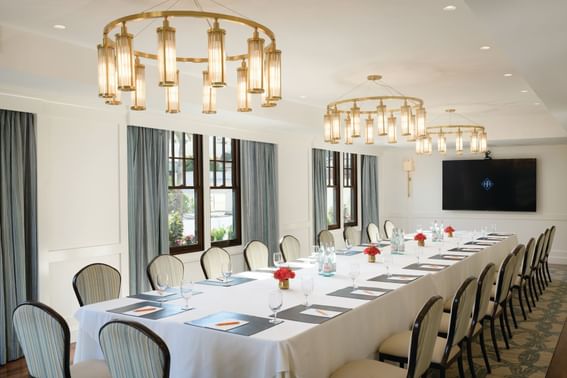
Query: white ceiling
(329,47)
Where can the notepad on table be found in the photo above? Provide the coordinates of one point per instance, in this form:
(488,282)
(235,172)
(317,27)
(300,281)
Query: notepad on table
(141,311)
(226,325)
(320,313)
(367,292)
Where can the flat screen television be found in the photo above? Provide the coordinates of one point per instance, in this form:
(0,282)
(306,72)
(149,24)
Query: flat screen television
(491,185)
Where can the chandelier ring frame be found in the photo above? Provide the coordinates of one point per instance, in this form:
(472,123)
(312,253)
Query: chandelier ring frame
(452,129)
(414,102)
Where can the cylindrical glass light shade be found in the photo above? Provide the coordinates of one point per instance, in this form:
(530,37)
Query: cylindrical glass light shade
(125,61)
(106,70)
(139,95)
(412,127)
(114,100)
(273,74)
(428,148)
(392,135)
(255,63)
(167,63)
(172,96)
(369,134)
(459,142)
(421,114)
(266,102)
(483,144)
(327,127)
(209,95)
(405,119)
(381,119)
(348,129)
(355,114)
(474,142)
(419,146)
(217,55)
(243,96)
(442,143)
(335,126)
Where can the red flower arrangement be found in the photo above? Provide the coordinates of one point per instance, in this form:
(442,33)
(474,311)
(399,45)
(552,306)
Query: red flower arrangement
(371,251)
(283,274)
(449,230)
(420,237)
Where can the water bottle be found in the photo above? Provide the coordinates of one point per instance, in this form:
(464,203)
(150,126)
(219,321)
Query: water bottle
(328,265)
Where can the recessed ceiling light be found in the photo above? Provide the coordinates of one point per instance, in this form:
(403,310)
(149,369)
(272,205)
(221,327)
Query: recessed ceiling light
(302,96)
(524,91)
(507,74)
(485,47)
(450,8)
(59,27)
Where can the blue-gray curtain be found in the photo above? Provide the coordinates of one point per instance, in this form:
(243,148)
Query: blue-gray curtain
(18,222)
(259,190)
(319,192)
(369,193)
(147,201)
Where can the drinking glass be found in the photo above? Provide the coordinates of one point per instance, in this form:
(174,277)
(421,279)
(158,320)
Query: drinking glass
(278,259)
(389,261)
(275,303)
(353,273)
(315,251)
(307,285)
(186,289)
(419,253)
(161,283)
(226,270)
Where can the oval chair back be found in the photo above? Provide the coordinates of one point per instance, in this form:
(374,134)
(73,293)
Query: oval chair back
(483,292)
(504,281)
(373,233)
(168,267)
(256,255)
(45,340)
(133,350)
(389,229)
(537,251)
(326,239)
(96,283)
(550,243)
(212,261)
(528,258)
(520,252)
(423,337)
(460,318)
(290,248)
(352,235)
(543,251)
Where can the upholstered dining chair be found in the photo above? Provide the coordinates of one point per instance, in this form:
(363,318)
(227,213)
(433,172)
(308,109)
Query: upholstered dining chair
(520,281)
(256,255)
(168,266)
(212,261)
(420,349)
(534,265)
(520,252)
(497,306)
(541,283)
(545,256)
(326,239)
(352,235)
(45,340)
(290,248)
(133,350)
(96,283)
(445,350)
(389,228)
(373,233)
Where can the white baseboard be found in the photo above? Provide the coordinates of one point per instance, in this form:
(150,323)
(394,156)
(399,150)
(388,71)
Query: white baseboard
(558,257)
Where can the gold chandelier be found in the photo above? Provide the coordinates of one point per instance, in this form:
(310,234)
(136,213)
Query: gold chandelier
(120,68)
(476,133)
(380,111)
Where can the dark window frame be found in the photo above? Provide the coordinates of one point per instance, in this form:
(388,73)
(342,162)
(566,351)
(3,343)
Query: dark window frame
(332,173)
(197,187)
(350,177)
(235,152)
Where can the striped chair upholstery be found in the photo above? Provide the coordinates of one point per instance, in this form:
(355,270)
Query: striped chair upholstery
(169,266)
(352,235)
(44,337)
(96,283)
(290,248)
(256,255)
(212,261)
(133,350)
(326,239)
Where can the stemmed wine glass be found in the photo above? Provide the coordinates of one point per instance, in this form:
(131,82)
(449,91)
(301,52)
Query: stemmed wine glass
(226,270)
(161,283)
(307,285)
(275,303)
(186,289)
(278,259)
(353,273)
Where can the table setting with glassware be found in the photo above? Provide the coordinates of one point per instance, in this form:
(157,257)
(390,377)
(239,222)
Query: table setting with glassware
(334,306)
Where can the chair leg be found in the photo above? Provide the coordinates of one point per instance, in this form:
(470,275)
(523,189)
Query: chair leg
(484,354)
(469,356)
(542,283)
(505,312)
(401,364)
(522,302)
(460,364)
(442,372)
(547,270)
(544,275)
(493,335)
(513,314)
(525,288)
(503,329)
(533,287)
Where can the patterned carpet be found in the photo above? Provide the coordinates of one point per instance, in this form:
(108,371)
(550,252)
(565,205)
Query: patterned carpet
(533,343)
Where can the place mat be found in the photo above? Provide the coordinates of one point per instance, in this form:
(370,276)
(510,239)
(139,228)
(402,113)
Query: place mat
(365,293)
(379,245)
(348,252)
(465,249)
(166,298)
(233,282)
(483,243)
(396,278)
(491,238)
(272,270)
(448,257)
(306,260)
(249,325)
(426,267)
(296,313)
(165,311)
(499,234)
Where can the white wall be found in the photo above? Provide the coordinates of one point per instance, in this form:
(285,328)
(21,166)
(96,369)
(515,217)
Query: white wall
(424,205)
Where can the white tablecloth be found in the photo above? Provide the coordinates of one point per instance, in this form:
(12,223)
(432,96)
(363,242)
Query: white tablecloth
(296,349)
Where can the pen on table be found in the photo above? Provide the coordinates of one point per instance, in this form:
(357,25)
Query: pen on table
(226,324)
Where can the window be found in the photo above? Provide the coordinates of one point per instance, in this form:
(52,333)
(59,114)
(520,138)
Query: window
(333,194)
(224,181)
(350,210)
(185,194)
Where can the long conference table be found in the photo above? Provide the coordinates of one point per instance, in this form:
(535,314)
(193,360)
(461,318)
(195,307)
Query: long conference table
(297,348)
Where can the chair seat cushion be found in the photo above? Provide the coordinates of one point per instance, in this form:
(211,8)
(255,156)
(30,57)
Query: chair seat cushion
(447,304)
(398,345)
(491,309)
(444,323)
(369,369)
(90,369)
(517,281)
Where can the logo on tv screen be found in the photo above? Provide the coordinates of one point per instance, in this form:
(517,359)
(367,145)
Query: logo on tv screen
(487,184)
